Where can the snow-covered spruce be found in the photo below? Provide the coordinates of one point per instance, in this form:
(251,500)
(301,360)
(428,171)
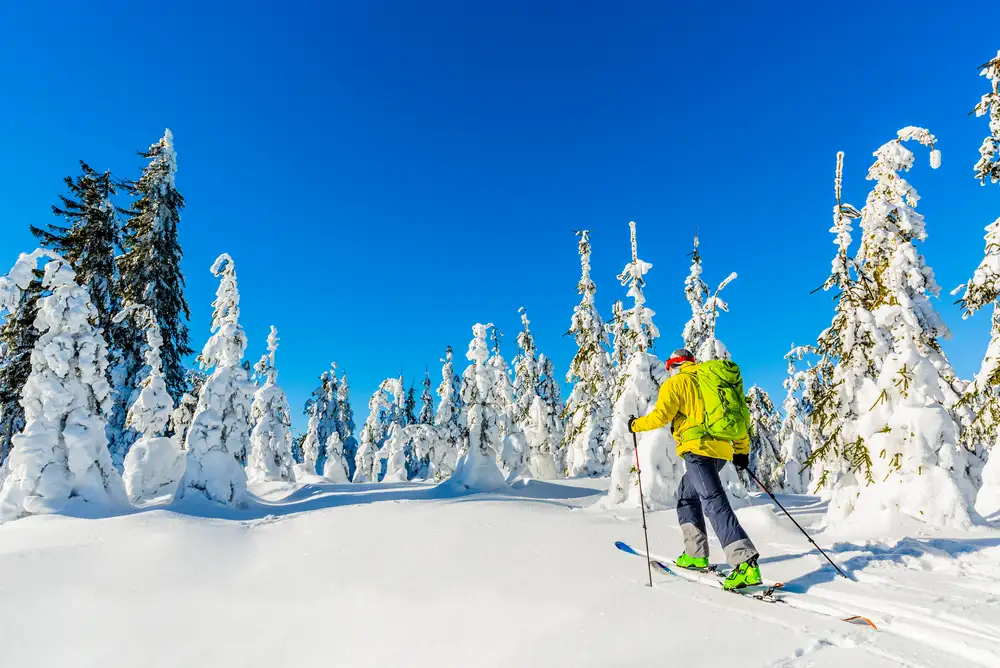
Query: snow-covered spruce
(62,452)
(588,409)
(794,433)
(219,436)
(988,167)
(426,415)
(384,409)
(848,352)
(477,468)
(907,437)
(620,336)
(983,394)
(271,439)
(511,457)
(18,335)
(765,448)
(345,424)
(639,387)
(526,373)
(335,468)
(154,464)
(88,242)
(448,419)
(699,337)
(537,408)
(150,263)
(394,452)
(180,419)
(323,411)
(699,331)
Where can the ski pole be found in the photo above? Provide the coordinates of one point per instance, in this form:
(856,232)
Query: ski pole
(797,526)
(642,505)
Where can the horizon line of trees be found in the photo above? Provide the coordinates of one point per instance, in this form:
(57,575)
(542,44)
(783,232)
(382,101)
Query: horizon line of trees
(876,421)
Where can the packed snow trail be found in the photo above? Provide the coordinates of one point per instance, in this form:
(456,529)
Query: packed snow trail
(521,577)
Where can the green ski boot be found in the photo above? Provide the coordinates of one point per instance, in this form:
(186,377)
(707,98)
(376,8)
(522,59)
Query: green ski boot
(746,574)
(694,563)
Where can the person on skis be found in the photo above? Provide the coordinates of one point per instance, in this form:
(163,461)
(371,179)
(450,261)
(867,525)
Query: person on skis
(701,491)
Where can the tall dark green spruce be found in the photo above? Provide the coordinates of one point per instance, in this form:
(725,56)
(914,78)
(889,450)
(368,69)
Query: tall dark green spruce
(17,338)
(89,242)
(150,267)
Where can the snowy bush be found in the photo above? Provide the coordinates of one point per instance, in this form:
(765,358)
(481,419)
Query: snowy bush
(62,452)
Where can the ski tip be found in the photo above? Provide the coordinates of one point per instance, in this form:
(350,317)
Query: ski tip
(625,547)
(861,621)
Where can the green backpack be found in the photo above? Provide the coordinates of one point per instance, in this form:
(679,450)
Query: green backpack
(727,416)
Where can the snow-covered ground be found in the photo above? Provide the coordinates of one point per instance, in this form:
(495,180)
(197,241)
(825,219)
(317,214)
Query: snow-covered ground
(414,575)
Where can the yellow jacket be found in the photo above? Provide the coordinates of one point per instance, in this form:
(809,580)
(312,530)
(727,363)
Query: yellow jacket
(680,402)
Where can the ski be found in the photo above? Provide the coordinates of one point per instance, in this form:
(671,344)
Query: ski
(767,592)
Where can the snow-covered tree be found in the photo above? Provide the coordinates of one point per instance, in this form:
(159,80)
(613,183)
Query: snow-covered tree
(765,447)
(794,433)
(323,411)
(394,452)
(18,335)
(345,425)
(526,373)
(90,239)
(622,341)
(150,265)
(313,445)
(271,439)
(544,427)
(448,418)
(512,453)
(383,412)
(588,409)
(154,464)
(426,401)
(639,387)
(908,437)
(477,468)
(437,455)
(699,332)
(410,408)
(89,243)
(988,167)
(180,419)
(846,362)
(335,468)
(219,436)
(983,394)
(62,452)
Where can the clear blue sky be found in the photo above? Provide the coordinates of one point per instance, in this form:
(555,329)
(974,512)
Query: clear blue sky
(386,174)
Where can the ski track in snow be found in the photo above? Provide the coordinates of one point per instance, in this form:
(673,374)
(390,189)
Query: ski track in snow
(534,565)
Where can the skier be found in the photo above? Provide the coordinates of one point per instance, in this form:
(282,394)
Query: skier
(682,402)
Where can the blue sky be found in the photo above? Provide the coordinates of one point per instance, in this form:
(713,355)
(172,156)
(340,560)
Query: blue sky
(386,174)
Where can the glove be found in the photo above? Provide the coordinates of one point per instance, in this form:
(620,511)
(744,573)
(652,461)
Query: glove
(741,461)
(631,420)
